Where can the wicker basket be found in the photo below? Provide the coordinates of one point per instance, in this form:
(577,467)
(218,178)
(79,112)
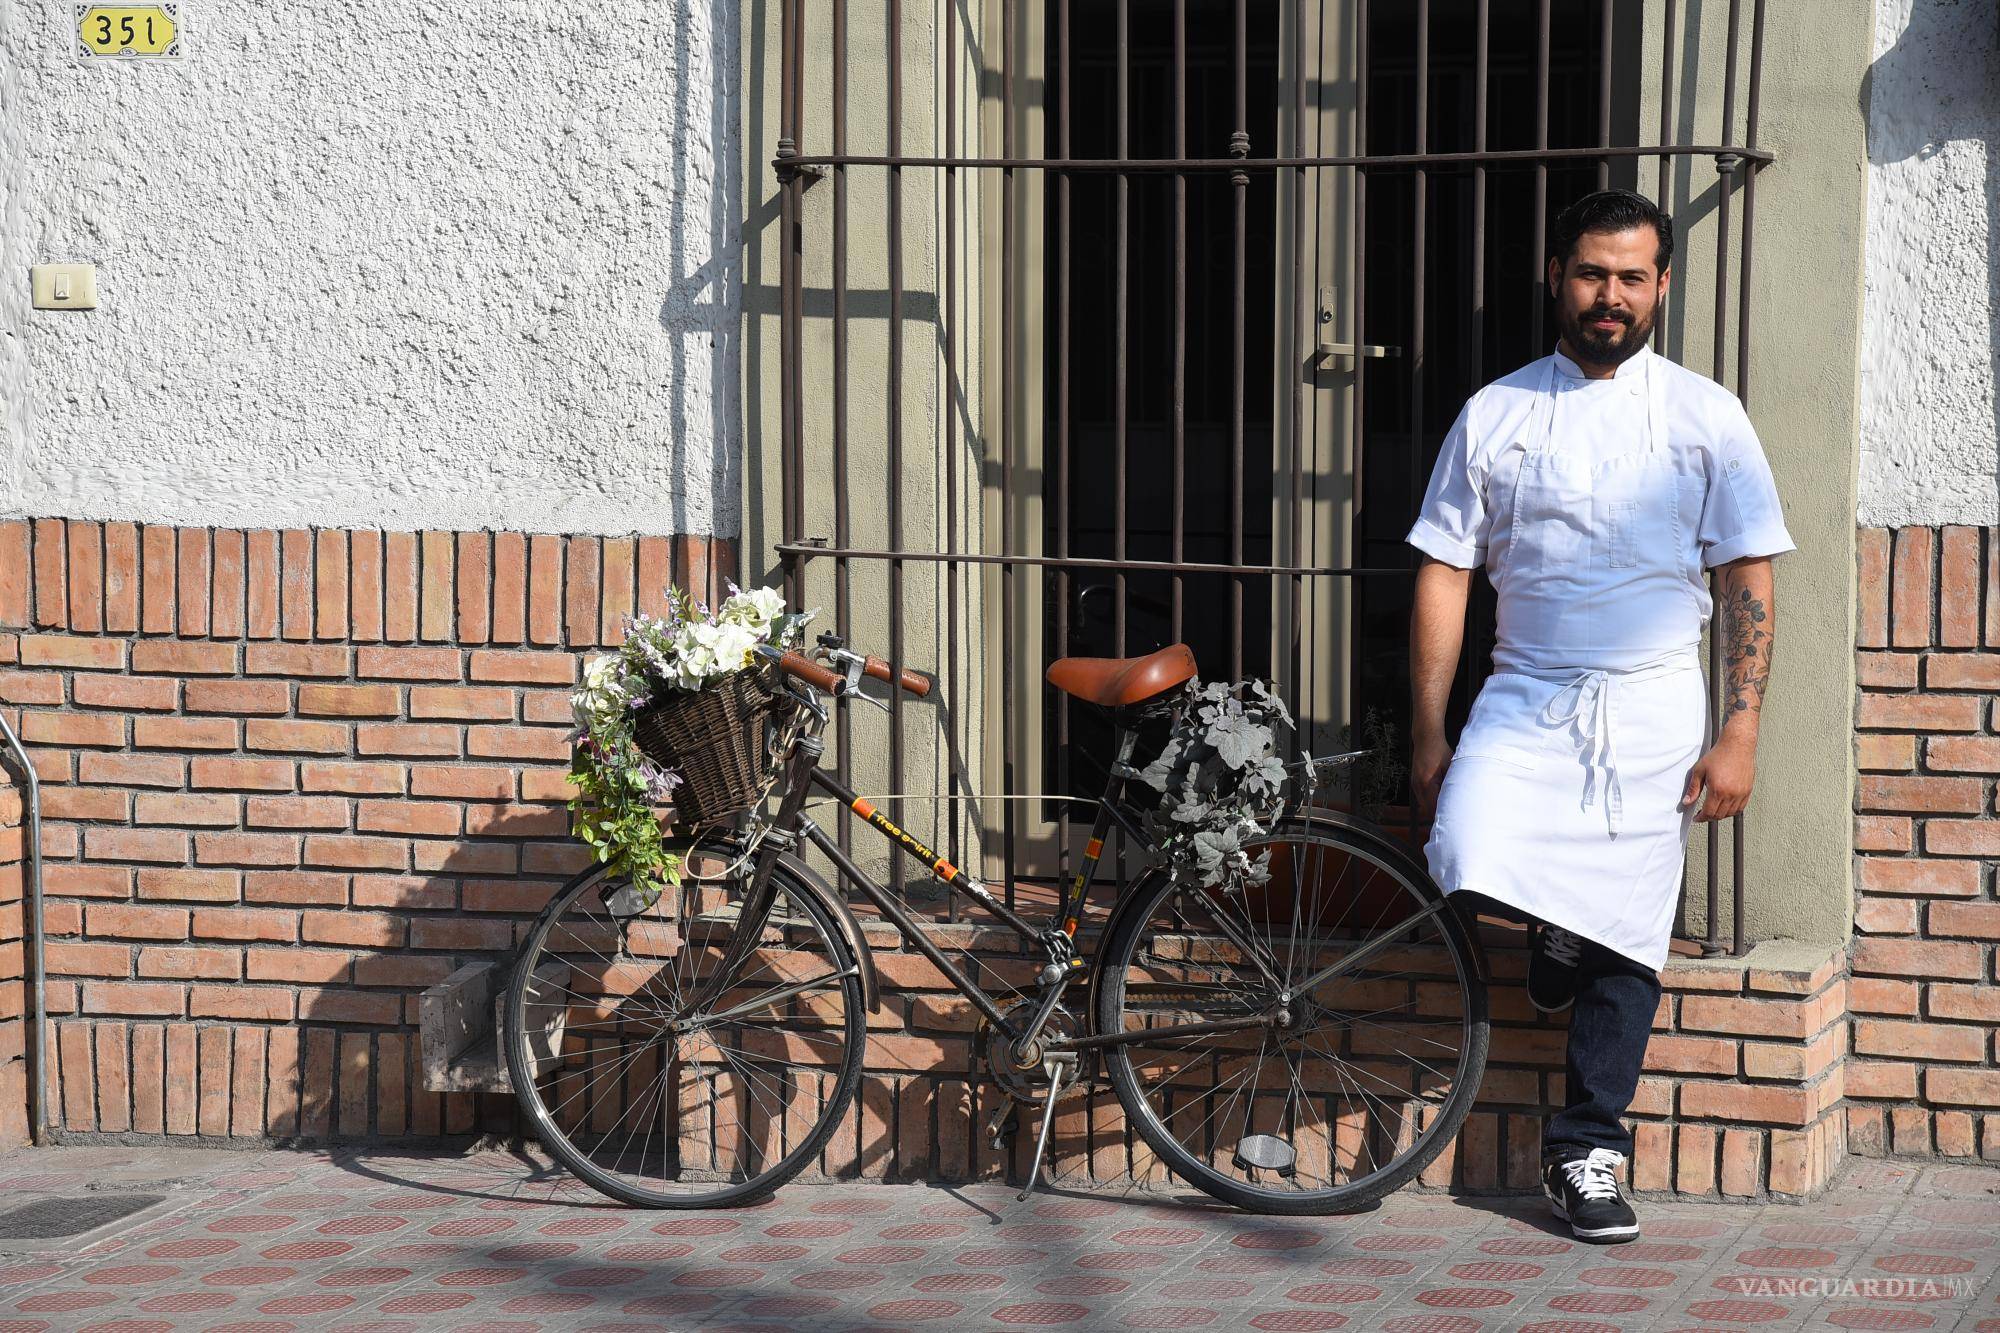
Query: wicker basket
(715,737)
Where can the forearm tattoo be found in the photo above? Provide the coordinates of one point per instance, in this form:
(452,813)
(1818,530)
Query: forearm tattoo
(1747,649)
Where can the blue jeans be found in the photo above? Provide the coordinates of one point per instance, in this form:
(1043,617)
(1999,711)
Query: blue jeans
(1609,1026)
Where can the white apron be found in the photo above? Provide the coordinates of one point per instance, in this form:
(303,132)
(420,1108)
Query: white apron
(1562,795)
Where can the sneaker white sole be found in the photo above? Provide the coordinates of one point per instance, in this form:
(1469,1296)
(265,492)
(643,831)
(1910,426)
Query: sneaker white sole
(1537,1004)
(1590,1233)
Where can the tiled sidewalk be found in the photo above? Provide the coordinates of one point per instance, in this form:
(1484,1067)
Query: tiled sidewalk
(357,1240)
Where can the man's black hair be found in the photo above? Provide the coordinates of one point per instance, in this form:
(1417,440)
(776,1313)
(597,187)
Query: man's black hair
(1611,210)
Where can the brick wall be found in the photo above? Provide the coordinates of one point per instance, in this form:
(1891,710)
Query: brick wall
(1924,1077)
(291,779)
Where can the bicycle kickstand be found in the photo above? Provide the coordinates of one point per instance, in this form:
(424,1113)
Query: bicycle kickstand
(1060,1068)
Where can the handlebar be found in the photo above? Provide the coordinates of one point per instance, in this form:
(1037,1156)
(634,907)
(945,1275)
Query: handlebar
(798,664)
(829,681)
(906,680)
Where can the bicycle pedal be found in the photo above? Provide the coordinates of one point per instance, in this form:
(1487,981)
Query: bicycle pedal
(996,1132)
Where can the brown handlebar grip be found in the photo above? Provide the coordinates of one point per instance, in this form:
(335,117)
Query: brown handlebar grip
(798,664)
(908,680)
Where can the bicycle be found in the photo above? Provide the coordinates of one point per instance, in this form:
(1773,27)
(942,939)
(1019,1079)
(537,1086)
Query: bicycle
(699,1050)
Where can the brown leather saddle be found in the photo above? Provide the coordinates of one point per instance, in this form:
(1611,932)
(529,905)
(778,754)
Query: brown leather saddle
(1121,682)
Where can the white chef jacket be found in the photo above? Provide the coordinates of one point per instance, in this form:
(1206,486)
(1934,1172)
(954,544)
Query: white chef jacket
(1634,485)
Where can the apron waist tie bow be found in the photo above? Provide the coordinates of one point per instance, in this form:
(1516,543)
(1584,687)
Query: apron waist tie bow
(1589,707)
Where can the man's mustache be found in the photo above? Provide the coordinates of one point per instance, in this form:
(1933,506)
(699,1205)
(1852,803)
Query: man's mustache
(1618,315)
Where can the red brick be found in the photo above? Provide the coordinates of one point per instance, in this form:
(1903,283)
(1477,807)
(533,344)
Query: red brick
(68,958)
(505,895)
(510,587)
(136,998)
(469,936)
(316,887)
(184,733)
(1931,878)
(137,693)
(245,923)
(435,595)
(1880,995)
(261,584)
(1962,837)
(182,1067)
(360,930)
(246,1084)
(409,891)
(296,812)
(191,963)
(1977,1004)
(546,706)
(87,882)
(325,849)
(545,586)
(94,803)
(399,586)
(524,668)
(1768,1104)
(211,886)
(619,597)
(1747,1017)
(692,554)
(436,818)
(290,737)
(1886,671)
(246,849)
(353,779)
(476,858)
(1963,754)
(1884,833)
(295,589)
(410,663)
(547,743)
(269,697)
(580,592)
(99,729)
(296,659)
(472,783)
(16,574)
(1922,795)
(122,844)
(179,809)
(412,971)
(226,609)
(1958,588)
(1911,589)
(1880,1078)
(330,584)
(130,921)
(1962,671)
(242,774)
(365,584)
(548,785)
(489,703)
(1690,1055)
(262,1004)
(474,586)
(346,1006)
(655,573)
(86,576)
(36,687)
(177,658)
(411,739)
(194,576)
(349,700)
(554,858)
(314,966)
(1938,959)
(1965,920)
(1920,712)
(1919,1041)
(51,574)
(1992,544)
(56,650)
(515,821)
(1963,1087)
(1886,916)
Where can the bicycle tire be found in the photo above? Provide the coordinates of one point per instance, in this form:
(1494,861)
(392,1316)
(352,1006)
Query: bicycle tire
(1131,930)
(789,889)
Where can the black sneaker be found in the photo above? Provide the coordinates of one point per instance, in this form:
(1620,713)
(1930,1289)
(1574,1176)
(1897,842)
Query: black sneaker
(1584,1191)
(1552,969)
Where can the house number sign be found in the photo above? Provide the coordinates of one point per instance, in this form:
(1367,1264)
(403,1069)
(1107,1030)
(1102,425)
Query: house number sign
(128,32)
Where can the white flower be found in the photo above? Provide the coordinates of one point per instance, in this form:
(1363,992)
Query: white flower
(754,609)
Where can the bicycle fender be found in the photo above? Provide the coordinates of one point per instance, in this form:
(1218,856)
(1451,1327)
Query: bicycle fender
(844,918)
(1380,842)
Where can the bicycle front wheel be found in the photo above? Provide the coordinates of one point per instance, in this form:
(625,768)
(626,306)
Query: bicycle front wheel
(665,1068)
(1310,1043)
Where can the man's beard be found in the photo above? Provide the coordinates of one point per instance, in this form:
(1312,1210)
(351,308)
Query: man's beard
(1607,348)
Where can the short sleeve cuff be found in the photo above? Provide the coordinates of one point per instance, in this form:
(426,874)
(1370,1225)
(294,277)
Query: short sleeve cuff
(1763,542)
(1434,541)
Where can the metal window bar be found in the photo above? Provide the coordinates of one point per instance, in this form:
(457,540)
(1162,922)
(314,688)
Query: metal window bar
(1290,567)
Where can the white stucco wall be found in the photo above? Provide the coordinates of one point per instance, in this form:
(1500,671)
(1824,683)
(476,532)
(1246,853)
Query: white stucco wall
(1931,334)
(378,264)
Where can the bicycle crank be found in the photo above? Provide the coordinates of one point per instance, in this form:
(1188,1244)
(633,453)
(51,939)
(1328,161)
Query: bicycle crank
(1023,1075)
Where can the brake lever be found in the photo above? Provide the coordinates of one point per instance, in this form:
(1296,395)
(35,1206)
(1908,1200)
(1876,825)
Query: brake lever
(854,662)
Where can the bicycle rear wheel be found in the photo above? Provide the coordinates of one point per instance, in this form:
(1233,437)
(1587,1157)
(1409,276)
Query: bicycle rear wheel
(658,1078)
(1330,1085)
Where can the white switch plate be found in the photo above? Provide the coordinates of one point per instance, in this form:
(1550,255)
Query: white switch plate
(64,286)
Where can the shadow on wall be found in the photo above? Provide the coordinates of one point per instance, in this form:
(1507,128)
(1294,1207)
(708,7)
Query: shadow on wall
(1912,111)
